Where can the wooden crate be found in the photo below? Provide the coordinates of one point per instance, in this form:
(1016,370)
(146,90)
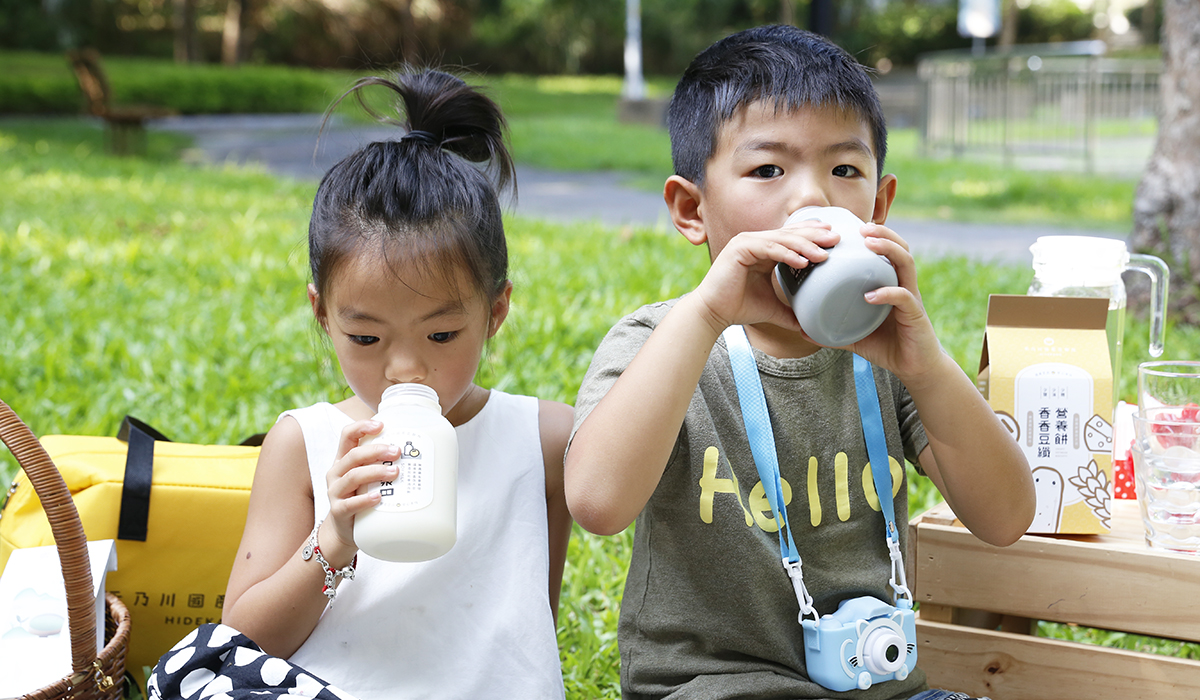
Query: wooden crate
(1108,581)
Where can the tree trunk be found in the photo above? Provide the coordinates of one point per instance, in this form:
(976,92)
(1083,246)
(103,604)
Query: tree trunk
(231,35)
(183,20)
(820,17)
(1166,208)
(409,49)
(1149,20)
(787,12)
(1009,17)
(251,24)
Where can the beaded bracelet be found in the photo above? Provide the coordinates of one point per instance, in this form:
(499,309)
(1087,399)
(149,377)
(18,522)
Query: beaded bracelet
(311,549)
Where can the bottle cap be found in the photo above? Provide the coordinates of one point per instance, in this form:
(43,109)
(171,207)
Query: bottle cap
(409,393)
(1081,260)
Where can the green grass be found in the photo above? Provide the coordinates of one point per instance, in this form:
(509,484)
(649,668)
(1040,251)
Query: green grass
(570,123)
(176,294)
(965,190)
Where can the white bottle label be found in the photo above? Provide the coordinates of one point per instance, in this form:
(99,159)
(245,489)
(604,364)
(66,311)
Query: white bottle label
(412,489)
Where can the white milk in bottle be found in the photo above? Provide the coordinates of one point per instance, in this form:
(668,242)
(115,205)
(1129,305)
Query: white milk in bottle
(415,517)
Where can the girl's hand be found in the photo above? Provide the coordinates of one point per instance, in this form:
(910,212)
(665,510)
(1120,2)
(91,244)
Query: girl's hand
(353,468)
(905,343)
(739,286)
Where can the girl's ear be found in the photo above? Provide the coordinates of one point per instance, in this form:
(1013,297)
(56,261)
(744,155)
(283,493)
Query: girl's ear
(318,309)
(683,201)
(500,308)
(884,196)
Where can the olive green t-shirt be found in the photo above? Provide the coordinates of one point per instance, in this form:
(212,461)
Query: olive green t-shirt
(708,610)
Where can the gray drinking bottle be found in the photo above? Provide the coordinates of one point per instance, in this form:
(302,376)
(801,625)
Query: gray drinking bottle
(827,297)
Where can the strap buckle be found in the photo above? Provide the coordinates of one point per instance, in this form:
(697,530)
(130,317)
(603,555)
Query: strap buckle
(805,600)
(898,581)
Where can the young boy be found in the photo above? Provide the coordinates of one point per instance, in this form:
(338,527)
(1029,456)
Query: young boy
(765,122)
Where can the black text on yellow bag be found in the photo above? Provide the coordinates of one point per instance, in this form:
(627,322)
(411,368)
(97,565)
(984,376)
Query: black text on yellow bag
(176,510)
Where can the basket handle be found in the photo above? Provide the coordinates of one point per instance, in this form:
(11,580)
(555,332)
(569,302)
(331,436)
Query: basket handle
(68,536)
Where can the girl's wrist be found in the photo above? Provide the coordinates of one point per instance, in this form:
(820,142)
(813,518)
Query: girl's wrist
(331,574)
(333,547)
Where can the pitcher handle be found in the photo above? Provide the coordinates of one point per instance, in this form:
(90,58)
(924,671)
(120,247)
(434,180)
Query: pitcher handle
(1160,281)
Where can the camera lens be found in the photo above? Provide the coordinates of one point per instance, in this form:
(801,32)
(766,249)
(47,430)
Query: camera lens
(884,650)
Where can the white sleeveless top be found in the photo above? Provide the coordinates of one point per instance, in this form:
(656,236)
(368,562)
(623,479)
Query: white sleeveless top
(473,623)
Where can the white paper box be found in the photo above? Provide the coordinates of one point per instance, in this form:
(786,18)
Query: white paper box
(35,638)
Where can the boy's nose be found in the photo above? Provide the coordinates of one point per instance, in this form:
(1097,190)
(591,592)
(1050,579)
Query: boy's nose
(807,195)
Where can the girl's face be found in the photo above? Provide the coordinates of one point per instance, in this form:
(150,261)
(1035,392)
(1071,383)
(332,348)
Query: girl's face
(408,328)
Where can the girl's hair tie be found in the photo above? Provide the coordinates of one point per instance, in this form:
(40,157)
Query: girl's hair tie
(424,137)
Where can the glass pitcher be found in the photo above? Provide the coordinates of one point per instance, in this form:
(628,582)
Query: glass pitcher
(1083,266)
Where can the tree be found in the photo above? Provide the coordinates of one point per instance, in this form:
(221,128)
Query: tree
(231,33)
(820,17)
(1166,209)
(1010,16)
(1149,30)
(183,21)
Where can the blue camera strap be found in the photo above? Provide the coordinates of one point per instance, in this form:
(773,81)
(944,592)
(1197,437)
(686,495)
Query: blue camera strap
(757,420)
(881,472)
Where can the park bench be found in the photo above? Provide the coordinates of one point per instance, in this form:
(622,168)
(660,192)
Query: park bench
(978,604)
(125,124)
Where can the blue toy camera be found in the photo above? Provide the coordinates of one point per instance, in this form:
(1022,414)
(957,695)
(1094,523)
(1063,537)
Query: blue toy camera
(865,642)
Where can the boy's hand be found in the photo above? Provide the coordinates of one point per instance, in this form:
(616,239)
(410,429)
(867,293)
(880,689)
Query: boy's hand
(739,287)
(905,342)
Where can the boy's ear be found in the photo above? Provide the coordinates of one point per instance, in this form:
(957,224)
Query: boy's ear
(884,196)
(683,201)
(318,310)
(500,308)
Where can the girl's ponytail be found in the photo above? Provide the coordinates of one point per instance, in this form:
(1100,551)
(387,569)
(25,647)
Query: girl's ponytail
(440,109)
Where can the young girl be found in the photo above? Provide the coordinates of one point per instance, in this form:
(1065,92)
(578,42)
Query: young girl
(409,281)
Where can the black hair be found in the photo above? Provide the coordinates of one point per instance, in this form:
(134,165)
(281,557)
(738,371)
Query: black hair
(790,66)
(422,197)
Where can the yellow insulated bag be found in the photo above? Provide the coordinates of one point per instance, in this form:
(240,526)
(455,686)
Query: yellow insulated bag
(176,510)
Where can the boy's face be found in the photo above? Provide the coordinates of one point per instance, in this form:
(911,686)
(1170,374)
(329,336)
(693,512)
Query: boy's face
(768,164)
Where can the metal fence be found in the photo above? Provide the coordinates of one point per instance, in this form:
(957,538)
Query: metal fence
(1054,107)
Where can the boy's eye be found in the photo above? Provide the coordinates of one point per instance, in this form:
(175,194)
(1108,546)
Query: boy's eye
(768,171)
(845,171)
(363,339)
(443,337)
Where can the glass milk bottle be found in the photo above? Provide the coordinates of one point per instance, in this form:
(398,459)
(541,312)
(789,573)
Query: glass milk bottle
(1083,266)
(416,514)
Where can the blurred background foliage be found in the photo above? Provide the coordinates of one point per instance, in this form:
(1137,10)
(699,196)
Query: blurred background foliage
(492,36)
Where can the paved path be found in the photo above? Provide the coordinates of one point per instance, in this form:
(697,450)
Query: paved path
(288,145)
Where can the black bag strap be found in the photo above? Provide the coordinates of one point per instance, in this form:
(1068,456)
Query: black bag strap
(139,476)
(255,440)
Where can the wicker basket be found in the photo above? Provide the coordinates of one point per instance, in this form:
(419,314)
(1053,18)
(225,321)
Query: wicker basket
(93,677)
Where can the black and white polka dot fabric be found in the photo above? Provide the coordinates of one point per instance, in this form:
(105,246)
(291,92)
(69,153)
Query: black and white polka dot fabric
(215,662)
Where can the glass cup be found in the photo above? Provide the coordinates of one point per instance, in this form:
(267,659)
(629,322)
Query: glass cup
(1166,466)
(1168,383)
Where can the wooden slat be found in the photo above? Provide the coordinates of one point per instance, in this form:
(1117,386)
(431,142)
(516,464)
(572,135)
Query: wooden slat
(1109,581)
(937,613)
(1006,666)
